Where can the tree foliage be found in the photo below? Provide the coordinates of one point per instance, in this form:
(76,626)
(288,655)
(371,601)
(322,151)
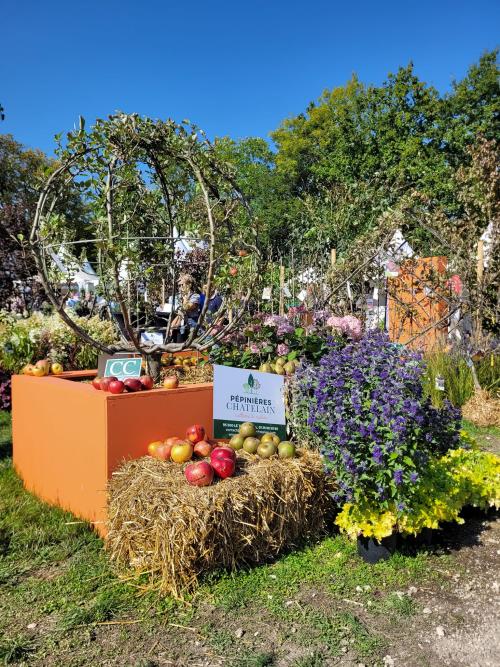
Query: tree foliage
(361,148)
(22,171)
(146,182)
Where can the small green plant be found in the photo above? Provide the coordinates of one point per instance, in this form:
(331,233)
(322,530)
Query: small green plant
(488,372)
(16,649)
(457,377)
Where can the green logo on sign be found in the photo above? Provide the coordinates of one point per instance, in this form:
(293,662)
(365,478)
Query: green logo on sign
(252,385)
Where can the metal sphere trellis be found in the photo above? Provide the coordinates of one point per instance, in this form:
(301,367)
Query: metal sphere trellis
(146,183)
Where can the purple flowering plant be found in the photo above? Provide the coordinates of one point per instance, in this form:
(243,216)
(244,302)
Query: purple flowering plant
(5,390)
(364,404)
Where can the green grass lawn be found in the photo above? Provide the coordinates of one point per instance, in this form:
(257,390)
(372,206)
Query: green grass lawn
(55,574)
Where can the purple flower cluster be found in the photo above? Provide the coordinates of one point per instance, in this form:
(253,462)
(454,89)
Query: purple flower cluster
(5,390)
(364,401)
(280,323)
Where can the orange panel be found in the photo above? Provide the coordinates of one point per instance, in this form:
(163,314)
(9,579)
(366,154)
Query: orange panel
(415,304)
(135,420)
(68,438)
(59,446)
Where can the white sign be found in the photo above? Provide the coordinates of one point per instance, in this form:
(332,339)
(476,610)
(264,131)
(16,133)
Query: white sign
(302,295)
(266,294)
(242,395)
(439,383)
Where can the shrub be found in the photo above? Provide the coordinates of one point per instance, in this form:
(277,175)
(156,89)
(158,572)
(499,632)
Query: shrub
(449,483)
(264,337)
(365,405)
(457,376)
(24,341)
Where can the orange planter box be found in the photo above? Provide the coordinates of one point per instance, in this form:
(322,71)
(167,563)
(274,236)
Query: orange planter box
(68,438)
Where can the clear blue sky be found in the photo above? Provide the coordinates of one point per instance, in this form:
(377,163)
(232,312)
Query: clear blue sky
(235,68)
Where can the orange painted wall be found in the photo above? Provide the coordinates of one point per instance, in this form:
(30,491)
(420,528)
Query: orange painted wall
(68,438)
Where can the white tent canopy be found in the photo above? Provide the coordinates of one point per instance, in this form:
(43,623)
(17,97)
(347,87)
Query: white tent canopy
(82,275)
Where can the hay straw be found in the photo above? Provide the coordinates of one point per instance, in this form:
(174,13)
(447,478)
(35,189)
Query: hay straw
(174,532)
(482,410)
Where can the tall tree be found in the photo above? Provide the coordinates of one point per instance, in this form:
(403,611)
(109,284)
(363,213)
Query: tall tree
(22,171)
(359,149)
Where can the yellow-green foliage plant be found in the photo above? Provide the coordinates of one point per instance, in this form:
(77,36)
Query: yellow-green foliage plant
(24,341)
(461,477)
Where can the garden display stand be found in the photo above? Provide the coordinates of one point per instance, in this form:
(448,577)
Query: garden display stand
(68,438)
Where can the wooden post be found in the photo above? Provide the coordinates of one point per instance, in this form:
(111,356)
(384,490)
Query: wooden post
(333,256)
(480,260)
(282,288)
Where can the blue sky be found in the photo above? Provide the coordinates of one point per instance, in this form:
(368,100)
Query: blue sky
(235,68)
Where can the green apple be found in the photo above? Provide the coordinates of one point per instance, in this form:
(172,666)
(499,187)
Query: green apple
(251,444)
(272,437)
(236,441)
(286,450)
(248,430)
(266,449)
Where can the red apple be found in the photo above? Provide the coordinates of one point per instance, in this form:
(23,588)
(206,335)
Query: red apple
(224,467)
(105,382)
(202,449)
(222,453)
(146,381)
(153,446)
(163,452)
(96,383)
(116,387)
(233,271)
(132,384)
(173,440)
(199,474)
(195,433)
(171,382)
(242,253)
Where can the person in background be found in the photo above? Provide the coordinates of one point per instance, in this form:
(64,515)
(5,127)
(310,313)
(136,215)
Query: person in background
(190,299)
(73,300)
(214,303)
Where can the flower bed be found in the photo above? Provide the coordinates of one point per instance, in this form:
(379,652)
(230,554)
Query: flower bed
(175,532)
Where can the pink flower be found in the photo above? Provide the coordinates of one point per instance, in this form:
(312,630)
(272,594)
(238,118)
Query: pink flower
(335,323)
(282,350)
(254,349)
(348,325)
(352,327)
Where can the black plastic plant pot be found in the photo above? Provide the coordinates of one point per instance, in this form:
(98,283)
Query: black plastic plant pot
(371,551)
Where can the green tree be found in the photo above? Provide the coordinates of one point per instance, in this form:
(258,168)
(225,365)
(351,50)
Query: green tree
(266,189)
(22,171)
(472,109)
(359,149)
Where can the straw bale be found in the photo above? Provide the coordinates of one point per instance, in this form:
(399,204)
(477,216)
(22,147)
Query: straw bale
(482,409)
(160,525)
